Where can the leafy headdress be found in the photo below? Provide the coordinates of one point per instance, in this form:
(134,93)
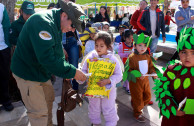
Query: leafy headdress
(186,40)
(142,38)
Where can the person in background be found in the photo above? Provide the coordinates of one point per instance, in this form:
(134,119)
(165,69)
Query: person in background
(125,49)
(151,22)
(105,26)
(104,105)
(51,6)
(5,57)
(26,10)
(39,54)
(142,5)
(122,27)
(102,16)
(167,20)
(88,36)
(183,17)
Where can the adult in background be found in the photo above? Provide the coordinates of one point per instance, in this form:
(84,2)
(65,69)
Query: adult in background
(5,56)
(102,16)
(39,54)
(184,17)
(26,10)
(142,5)
(151,22)
(71,45)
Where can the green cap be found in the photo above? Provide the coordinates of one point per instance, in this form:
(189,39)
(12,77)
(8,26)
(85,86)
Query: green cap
(28,7)
(74,12)
(138,39)
(186,40)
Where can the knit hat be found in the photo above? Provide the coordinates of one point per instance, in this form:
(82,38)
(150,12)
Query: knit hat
(138,39)
(74,11)
(28,7)
(186,40)
(86,34)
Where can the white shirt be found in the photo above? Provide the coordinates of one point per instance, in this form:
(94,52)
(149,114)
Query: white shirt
(153,22)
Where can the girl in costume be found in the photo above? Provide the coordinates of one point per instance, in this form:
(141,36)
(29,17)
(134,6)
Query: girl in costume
(88,37)
(139,82)
(125,49)
(104,105)
(177,84)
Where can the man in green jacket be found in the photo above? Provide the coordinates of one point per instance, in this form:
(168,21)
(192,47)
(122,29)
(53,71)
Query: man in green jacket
(39,54)
(26,10)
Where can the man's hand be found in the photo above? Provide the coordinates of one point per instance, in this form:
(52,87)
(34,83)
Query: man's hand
(79,75)
(164,39)
(192,17)
(103,82)
(180,113)
(180,18)
(65,52)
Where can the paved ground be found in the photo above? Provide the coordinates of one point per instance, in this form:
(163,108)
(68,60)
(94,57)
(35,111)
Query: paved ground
(79,116)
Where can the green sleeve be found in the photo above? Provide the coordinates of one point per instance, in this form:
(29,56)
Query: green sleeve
(6,26)
(49,52)
(14,34)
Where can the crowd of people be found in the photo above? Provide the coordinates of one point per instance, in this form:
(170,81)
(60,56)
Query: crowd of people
(51,43)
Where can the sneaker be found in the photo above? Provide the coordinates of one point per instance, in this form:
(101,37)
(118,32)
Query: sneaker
(150,103)
(8,107)
(140,119)
(128,92)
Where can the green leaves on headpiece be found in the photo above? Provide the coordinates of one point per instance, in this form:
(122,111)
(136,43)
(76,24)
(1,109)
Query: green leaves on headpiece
(138,39)
(183,41)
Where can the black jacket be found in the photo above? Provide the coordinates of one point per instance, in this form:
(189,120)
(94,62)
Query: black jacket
(99,18)
(145,25)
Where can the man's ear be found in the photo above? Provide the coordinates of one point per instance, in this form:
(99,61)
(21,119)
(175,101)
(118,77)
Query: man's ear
(64,15)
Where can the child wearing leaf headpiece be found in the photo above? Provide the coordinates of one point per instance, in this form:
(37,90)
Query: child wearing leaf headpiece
(137,69)
(176,85)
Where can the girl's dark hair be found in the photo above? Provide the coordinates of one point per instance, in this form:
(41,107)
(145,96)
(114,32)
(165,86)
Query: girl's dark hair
(127,33)
(106,14)
(105,36)
(144,1)
(168,12)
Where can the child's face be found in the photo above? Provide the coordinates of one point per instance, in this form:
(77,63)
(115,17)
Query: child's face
(142,5)
(100,47)
(121,30)
(105,28)
(185,3)
(92,35)
(168,14)
(154,3)
(141,48)
(187,57)
(128,40)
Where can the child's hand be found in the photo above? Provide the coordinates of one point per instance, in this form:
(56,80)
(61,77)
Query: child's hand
(180,113)
(103,82)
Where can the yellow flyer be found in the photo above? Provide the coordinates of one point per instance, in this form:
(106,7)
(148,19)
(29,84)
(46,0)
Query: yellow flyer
(101,68)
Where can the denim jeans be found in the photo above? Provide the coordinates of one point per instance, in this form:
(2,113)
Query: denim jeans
(72,50)
(153,45)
